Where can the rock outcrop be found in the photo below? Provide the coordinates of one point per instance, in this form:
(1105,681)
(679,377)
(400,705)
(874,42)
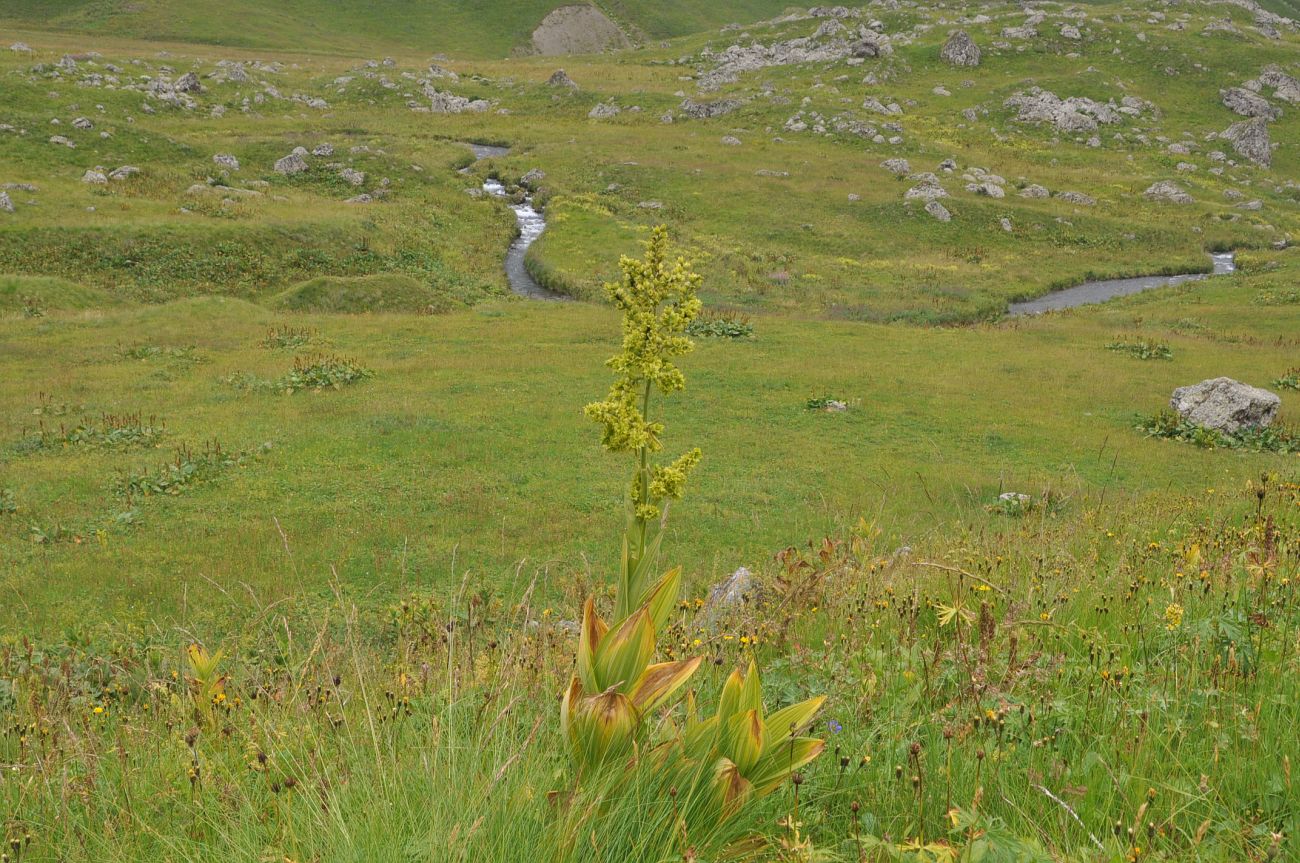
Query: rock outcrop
(1251,140)
(577,29)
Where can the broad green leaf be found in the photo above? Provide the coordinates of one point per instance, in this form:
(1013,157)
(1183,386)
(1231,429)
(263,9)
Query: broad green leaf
(731,790)
(624,653)
(751,695)
(589,638)
(663,596)
(790,721)
(603,726)
(782,759)
(660,681)
(729,700)
(745,740)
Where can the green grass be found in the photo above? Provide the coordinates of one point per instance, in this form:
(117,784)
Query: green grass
(389,520)
(469,440)
(344,295)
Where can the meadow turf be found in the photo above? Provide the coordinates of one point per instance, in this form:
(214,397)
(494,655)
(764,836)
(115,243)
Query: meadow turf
(323,437)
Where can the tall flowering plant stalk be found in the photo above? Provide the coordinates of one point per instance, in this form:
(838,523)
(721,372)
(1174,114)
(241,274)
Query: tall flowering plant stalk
(739,753)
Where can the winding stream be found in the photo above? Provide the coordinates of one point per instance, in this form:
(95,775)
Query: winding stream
(531,224)
(1108,289)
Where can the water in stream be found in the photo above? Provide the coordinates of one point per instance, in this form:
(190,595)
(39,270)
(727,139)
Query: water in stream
(531,224)
(1108,289)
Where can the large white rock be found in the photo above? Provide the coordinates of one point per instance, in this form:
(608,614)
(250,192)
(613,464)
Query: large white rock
(1226,405)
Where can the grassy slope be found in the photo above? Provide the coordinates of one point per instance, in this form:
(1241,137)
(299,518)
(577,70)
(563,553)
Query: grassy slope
(469,444)
(487,28)
(795,243)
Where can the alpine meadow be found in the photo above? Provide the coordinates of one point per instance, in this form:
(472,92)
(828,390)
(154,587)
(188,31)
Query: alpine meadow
(614,431)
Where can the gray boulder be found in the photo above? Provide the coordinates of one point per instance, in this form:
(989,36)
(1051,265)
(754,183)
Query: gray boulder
(94,177)
(736,589)
(1250,139)
(227,161)
(708,110)
(939,211)
(533,178)
(897,167)
(6,204)
(125,172)
(604,111)
(560,78)
(960,50)
(291,164)
(1226,405)
(1077,198)
(188,83)
(1248,104)
(1164,190)
(1033,190)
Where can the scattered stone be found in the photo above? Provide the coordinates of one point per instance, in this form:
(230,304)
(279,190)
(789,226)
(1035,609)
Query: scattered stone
(441,102)
(1077,198)
(82,123)
(1226,405)
(897,167)
(731,140)
(650,205)
(559,78)
(1015,497)
(1164,190)
(960,50)
(927,188)
(294,163)
(125,172)
(1075,114)
(1006,224)
(533,178)
(990,190)
(1284,86)
(20,48)
(188,83)
(1069,31)
(59,139)
(939,211)
(708,110)
(326,149)
(227,161)
(1248,104)
(6,204)
(94,177)
(604,111)
(1033,190)
(222,191)
(1250,139)
(768,172)
(363,198)
(353,176)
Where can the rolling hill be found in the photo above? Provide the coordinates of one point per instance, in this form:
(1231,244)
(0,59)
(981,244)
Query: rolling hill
(477,28)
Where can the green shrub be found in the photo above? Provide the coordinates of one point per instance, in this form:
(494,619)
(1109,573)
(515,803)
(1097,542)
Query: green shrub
(1290,380)
(721,325)
(312,372)
(1143,349)
(1173,426)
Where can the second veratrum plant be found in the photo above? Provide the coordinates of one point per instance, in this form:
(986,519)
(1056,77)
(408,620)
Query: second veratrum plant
(738,753)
